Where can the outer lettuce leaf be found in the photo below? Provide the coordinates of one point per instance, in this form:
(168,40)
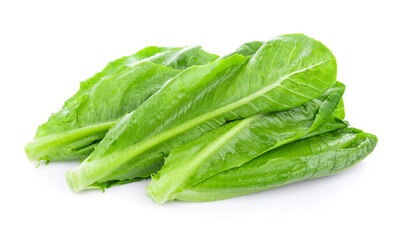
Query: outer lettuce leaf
(314,157)
(284,73)
(120,88)
(239,142)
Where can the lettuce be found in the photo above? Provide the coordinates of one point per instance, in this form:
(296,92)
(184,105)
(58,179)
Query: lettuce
(318,156)
(207,128)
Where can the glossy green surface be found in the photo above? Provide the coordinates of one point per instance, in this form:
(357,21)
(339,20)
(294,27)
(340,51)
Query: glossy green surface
(314,157)
(74,131)
(285,72)
(240,141)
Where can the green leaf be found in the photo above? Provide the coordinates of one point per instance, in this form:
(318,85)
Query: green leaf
(314,157)
(239,142)
(73,132)
(284,73)
(247,49)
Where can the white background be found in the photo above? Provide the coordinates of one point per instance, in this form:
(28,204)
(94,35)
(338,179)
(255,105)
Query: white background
(48,47)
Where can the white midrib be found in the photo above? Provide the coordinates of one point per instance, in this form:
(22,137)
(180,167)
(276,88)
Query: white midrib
(201,156)
(60,139)
(148,143)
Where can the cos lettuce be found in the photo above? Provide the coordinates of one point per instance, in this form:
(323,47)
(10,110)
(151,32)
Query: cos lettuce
(318,156)
(207,128)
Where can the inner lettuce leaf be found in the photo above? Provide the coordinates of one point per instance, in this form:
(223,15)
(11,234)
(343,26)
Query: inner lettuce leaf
(283,73)
(123,85)
(240,141)
(318,156)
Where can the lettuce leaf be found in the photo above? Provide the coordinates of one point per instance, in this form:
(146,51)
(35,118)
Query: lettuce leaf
(284,73)
(318,156)
(74,131)
(239,142)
